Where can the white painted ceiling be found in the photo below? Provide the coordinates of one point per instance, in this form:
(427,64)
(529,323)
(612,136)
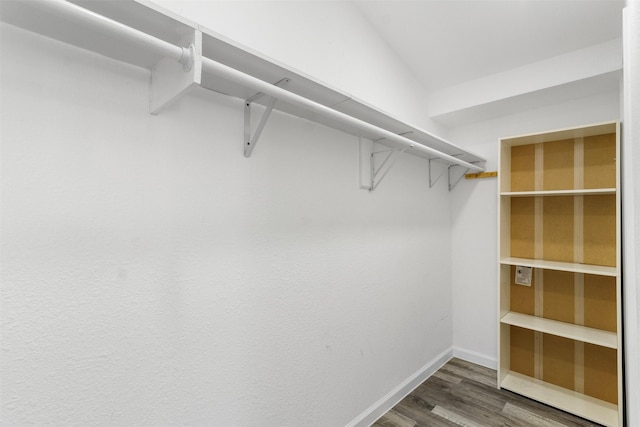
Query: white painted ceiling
(446,42)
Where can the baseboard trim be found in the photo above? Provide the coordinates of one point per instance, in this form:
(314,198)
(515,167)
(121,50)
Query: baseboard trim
(478,358)
(382,406)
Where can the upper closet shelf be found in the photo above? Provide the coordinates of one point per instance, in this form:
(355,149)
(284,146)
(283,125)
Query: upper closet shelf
(182,54)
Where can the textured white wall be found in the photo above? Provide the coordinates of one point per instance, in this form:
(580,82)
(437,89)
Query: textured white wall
(152,275)
(474,218)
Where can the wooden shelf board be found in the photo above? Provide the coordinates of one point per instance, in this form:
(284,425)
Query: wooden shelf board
(562,329)
(568,400)
(561,266)
(582,192)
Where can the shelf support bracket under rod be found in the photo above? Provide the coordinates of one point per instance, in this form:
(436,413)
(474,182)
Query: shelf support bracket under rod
(251,141)
(433,181)
(392,156)
(457,179)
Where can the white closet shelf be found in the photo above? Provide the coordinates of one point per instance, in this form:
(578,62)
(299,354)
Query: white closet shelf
(573,267)
(302,96)
(562,329)
(588,407)
(582,192)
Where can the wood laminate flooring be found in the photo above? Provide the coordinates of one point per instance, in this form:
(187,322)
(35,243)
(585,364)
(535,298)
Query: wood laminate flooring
(465,394)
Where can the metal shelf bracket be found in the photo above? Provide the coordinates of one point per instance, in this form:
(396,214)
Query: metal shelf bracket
(432,180)
(250,141)
(453,178)
(377,172)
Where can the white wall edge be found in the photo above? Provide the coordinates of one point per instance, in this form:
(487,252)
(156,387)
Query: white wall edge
(631,210)
(551,72)
(475,357)
(378,409)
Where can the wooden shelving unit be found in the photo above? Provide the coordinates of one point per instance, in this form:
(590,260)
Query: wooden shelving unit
(560,338)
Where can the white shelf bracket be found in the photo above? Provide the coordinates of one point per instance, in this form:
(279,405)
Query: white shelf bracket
(454,180)
(250,141)
(432,180)
(377,172)
(171,79)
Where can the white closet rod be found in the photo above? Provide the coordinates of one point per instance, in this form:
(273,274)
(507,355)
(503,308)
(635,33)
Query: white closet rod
(231,74)
(124,34)
(113,30)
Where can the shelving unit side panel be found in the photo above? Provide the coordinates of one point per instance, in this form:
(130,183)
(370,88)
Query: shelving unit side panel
(504,249)
(504,342)
(618,213)
(505,296)
(504,176)
(504,227)
(557,169)
(504,352)
(620,353)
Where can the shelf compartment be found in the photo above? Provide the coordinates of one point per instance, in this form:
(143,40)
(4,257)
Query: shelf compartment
(584,299)
(573,267)
(581,192)
(568,400)
(580,366)
(573,228)
(583,158)
(562,329)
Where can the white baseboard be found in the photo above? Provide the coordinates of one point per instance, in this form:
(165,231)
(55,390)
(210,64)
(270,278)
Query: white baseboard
(474,357)
(378,409)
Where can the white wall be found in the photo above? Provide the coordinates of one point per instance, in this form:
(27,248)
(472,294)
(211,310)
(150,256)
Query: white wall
(153,275)
(585,71)
(474,218)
